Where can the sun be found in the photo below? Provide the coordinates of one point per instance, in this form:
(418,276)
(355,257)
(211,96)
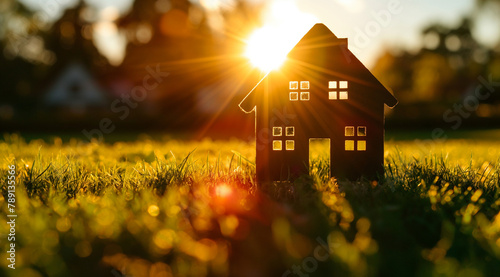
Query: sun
(285,24)
(265,51)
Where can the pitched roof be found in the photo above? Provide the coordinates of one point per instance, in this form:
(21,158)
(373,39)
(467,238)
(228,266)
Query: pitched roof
(75,88)
(348,67)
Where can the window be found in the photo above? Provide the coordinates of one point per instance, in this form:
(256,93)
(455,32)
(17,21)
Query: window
(277,145)
(338,90)
(349,131)
(304,96)
(361,145)
(361,131)
(304,93)
(355,139)
(277,131)
(349,145)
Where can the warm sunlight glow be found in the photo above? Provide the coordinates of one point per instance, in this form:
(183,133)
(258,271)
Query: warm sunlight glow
(223,190)
(352,5)
(211,4)
(265,53)
(284,26)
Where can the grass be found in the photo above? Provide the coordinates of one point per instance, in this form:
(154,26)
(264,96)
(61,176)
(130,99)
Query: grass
(182,208)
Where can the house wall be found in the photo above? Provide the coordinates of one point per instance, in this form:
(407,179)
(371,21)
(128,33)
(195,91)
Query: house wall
(319,58)
(318,118)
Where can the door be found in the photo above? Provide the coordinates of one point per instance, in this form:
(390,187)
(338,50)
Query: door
(319,158)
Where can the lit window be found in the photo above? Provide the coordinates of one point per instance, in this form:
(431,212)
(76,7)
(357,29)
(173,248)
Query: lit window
(304,85)
(304,96)
(349,145)
(361,131)
(349,131)
(294,96)
(290,145)
(277,131)
(335,93)
(294,85)
(361,145)
(277,145)
(290,131)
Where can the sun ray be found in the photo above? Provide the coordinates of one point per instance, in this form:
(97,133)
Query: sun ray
(268,46)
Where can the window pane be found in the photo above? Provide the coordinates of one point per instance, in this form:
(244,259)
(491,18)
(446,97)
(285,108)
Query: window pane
(349,131)
(361,131)
(332,95)
(349,145)
(277,145)
(304,96)
(290,131)
(343,95)
(294,85)
(361,145)
(290,145)
(294,96)
(277,131)
(304,85)
(332,84)
(343,84)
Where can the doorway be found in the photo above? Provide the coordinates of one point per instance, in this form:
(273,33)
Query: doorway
(319,158)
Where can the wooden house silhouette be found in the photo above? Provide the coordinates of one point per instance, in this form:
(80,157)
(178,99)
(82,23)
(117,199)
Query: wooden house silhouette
(321,91)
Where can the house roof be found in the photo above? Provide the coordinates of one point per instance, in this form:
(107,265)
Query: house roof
(75,88)
(314,45)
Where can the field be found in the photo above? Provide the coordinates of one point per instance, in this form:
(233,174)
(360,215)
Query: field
(166,207)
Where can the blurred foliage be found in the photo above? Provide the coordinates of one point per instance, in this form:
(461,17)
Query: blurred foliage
(444,70)
(482,2)
(448,72)
(194,44)
(184,208)
(201,48)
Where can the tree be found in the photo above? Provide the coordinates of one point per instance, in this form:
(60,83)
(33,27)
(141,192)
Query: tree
(22,56)
(70,38)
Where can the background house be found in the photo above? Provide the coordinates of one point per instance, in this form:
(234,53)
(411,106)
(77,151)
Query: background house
(75,89)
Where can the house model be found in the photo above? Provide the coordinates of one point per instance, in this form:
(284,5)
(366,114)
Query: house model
(321,91)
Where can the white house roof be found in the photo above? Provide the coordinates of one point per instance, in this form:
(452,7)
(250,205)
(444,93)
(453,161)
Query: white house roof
(75,88)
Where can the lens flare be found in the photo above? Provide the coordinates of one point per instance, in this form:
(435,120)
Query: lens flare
(223,191)
(285,24)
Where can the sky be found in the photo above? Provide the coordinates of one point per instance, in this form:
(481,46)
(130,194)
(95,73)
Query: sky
(370,26)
